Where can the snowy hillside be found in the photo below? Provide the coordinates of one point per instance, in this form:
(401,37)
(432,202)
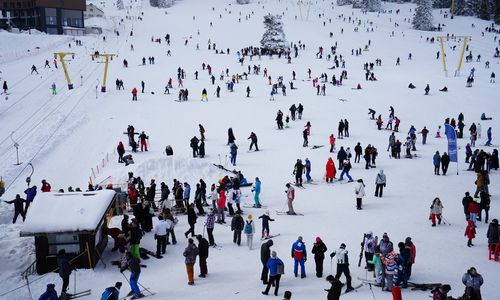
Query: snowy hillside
(72,136)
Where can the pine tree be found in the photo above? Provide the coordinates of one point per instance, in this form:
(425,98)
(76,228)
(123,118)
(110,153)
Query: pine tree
(344,2)
(153,3)
(460,8)
(472,8)
(357,3)
(242,1)
(423,15)
(496,16)
(274,37)
(371,5)
(484,10)
(119,4)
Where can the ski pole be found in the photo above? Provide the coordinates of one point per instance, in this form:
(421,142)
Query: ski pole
(331,265)
(445,221)
(74,285)
(373,294)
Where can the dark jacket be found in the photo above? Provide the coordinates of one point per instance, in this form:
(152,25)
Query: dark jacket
(335,291)
(445,159)
(135,236)
(50,293)
(265,220)
(237,223)
(18,204)
(493,233)
(191,215)
(64,266)
(265,251)
(319,250)
(203,248)
(30,193)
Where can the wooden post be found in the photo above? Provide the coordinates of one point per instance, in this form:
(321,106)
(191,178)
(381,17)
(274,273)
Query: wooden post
(88,255)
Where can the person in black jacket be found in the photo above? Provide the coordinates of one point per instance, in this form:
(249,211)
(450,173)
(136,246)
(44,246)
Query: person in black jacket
(465,203)
(191,220)
(335,290)
(445,161)
(404,253)
(265,254)
(18,207)
(230,136)
(125,225)
(319,249)
(64,270)
(203,248)
(358,150)
(237,225)
(298,171)
(194,145)
(198,200)
(484,204)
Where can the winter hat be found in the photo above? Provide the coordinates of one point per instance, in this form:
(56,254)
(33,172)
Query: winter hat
(369,233)
(249,216)
(273,254)
(118,284)
(299,238)
(318,239)
(446,288)
(267,213)
(342,246)
(360,180)
(408,240)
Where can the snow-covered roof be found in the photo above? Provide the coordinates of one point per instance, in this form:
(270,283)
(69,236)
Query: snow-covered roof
(66,212)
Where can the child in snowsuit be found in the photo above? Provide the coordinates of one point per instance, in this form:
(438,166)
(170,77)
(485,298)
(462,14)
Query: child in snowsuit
(470,232)
(265,224)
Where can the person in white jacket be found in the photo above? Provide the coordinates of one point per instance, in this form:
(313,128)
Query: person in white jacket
(249,230)
(359,190)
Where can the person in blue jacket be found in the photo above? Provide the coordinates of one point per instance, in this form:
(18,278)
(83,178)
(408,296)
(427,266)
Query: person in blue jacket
(436,160)
(30,196)
(307,166)
(276,268)
(488,135)
(112,292)
(256,190)
(299,255)
(50,293)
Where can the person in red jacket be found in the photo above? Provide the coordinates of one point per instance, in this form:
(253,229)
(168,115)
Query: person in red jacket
(330,170)
(134,94)
(45,186)
(332,143)
(132,195)
(120,149)
(470,232)
(221,204)
(473,207)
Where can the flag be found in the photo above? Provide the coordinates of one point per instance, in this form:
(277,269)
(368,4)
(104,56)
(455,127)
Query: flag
(452,142)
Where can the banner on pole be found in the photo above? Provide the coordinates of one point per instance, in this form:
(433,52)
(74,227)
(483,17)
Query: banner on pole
(451,135)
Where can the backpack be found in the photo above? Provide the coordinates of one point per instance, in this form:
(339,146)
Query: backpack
(109,293)
(248,228)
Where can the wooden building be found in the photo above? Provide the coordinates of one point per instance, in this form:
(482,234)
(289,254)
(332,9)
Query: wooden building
(71,221)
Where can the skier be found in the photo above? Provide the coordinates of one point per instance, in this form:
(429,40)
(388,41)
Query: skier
(248,91)
(18,207)
(493,235)
(191,215)
(209,225)
(299,254)
(160,236)
(330,170)
(256,191)
(300,110)
(237,224)
(265,225)
(112,292)
(265,254)
(346,167)
(143,138)
(293,109)
(298,170)
(190,253)
(134,94)
(424,133)
(230,136)
(474,281)
(343,265)
(441,293)
(436,211)
(488,135)
(319,249)
(276,268)
(31,194)
(427,89)
(332,143)
(204,95)
(445,161)
(53,88)
(470,232)
(436,160)
(51,294)
(253,138)
(360,193)
(194,145)
(290,195)
(369,245)
(234,153)
(304,136)
(380,183)
(203,249)
(33,69)
(398,277)
(335,290)
(221,205)
(202,131)
(5,87)
(307,167)
(249,231)
(65,270)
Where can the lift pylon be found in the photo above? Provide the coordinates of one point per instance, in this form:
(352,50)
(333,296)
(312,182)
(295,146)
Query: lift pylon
(107,57)
(61,56)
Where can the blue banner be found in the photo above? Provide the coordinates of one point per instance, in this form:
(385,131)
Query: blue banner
(452,142)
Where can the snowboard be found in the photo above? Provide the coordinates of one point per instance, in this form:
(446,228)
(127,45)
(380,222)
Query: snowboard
(372,282)
(354,289)
(285,213)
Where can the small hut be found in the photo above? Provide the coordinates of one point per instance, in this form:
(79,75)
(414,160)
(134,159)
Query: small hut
(71,221)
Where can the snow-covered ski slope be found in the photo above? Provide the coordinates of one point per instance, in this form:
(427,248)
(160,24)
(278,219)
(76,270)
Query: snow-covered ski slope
(66,135)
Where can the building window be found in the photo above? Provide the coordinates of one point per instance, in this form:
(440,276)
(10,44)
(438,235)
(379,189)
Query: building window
(77,23)
(51,20)
(69,242)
